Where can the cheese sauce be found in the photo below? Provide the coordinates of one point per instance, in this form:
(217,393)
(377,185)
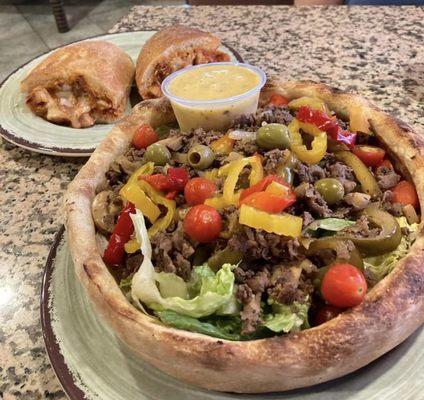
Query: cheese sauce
(213,82)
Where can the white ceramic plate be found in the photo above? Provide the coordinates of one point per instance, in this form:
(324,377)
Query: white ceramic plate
(21,127)
(93,364)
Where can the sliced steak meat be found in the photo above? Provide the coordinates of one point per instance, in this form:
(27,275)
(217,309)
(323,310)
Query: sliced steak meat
(362,228)
(344,174)
(386,177)
(245,147)
(307,219)
(261,245)
(172,252)
(289,285)
(269,114)
(272,159)
(308,173)
(396,209)
(250,314)
(316,205)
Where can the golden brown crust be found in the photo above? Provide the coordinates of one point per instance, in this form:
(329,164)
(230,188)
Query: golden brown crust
(176,44)
(104,69)
(392,310)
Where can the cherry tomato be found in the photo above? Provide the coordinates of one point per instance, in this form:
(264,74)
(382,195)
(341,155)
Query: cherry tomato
(278,100)
(386,163)
(371,156)
(344,286)
(203,223)
(404,193)
(326,313)
(178,177)
(268,202)
(144,136)
(198,190)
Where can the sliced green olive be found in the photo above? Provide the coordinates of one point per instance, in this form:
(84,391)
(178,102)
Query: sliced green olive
(158,153)
(273,136)
(330,189)
(200,156)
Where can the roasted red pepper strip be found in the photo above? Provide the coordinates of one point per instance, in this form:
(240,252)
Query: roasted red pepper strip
(262,185)
(174,181)
(326,124)
(268,202)
(114,253)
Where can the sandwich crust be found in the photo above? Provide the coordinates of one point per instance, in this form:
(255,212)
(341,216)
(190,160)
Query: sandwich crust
(391,311)
(172,49)
(100,70)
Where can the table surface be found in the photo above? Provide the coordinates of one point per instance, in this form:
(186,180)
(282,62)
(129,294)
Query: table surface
(376,51)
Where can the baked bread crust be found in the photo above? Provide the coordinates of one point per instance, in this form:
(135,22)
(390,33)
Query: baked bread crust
(105,71)
(178,45)
(391,311)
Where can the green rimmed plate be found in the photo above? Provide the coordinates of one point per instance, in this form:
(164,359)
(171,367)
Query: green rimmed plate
(92,363)
(21,127)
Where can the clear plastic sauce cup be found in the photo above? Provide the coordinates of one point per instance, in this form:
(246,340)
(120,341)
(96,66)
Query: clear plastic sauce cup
(214,111)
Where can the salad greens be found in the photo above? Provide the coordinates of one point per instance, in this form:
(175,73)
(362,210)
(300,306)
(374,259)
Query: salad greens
(327,224)
(287,318)
(378,267)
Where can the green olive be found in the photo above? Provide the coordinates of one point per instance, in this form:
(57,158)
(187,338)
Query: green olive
(158,153)
(330,189)
(200,156)
(273,136)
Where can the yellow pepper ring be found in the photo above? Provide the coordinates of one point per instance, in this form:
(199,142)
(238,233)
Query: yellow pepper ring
(318,145)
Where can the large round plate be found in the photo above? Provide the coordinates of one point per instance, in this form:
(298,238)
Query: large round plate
(21,127)
(92,363)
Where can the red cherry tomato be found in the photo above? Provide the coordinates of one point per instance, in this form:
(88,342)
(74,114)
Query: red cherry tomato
(371,156)
(344,286)
(203,223)
(198,190)
(278,100)
(178,177)
(404,193)
(144,136)
(326,313)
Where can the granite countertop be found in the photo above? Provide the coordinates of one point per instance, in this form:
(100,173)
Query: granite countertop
(376,51)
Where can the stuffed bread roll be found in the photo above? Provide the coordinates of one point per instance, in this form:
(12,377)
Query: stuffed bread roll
(80,84)
(170,50)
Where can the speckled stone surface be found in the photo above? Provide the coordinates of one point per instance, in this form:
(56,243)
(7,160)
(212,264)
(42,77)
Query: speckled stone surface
(376,51)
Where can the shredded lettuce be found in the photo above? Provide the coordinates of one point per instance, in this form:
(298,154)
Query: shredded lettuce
(378,267)
(287,318)
(327,224)
(207,293)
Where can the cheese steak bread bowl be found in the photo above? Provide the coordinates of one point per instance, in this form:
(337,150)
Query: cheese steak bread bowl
(80,84)
(292,258)
(170,50)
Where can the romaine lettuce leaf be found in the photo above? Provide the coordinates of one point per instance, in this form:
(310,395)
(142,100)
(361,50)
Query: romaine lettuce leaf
(376,268)
(229,329)
(287,318)
(208,291)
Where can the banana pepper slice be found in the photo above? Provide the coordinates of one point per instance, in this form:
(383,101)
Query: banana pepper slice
(281,224)
(319,143)
(232,172)
(133,193)
(222,145)
(312,102)
(366,179)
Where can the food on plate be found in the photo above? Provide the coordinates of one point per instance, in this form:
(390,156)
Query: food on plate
(80,84)
(263,257)
(212,96)
(170,50)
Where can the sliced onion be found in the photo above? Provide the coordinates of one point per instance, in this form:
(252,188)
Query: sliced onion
(242,135)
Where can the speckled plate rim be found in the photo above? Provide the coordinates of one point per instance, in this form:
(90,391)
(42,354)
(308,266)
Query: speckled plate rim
(16,139)
(53,350)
